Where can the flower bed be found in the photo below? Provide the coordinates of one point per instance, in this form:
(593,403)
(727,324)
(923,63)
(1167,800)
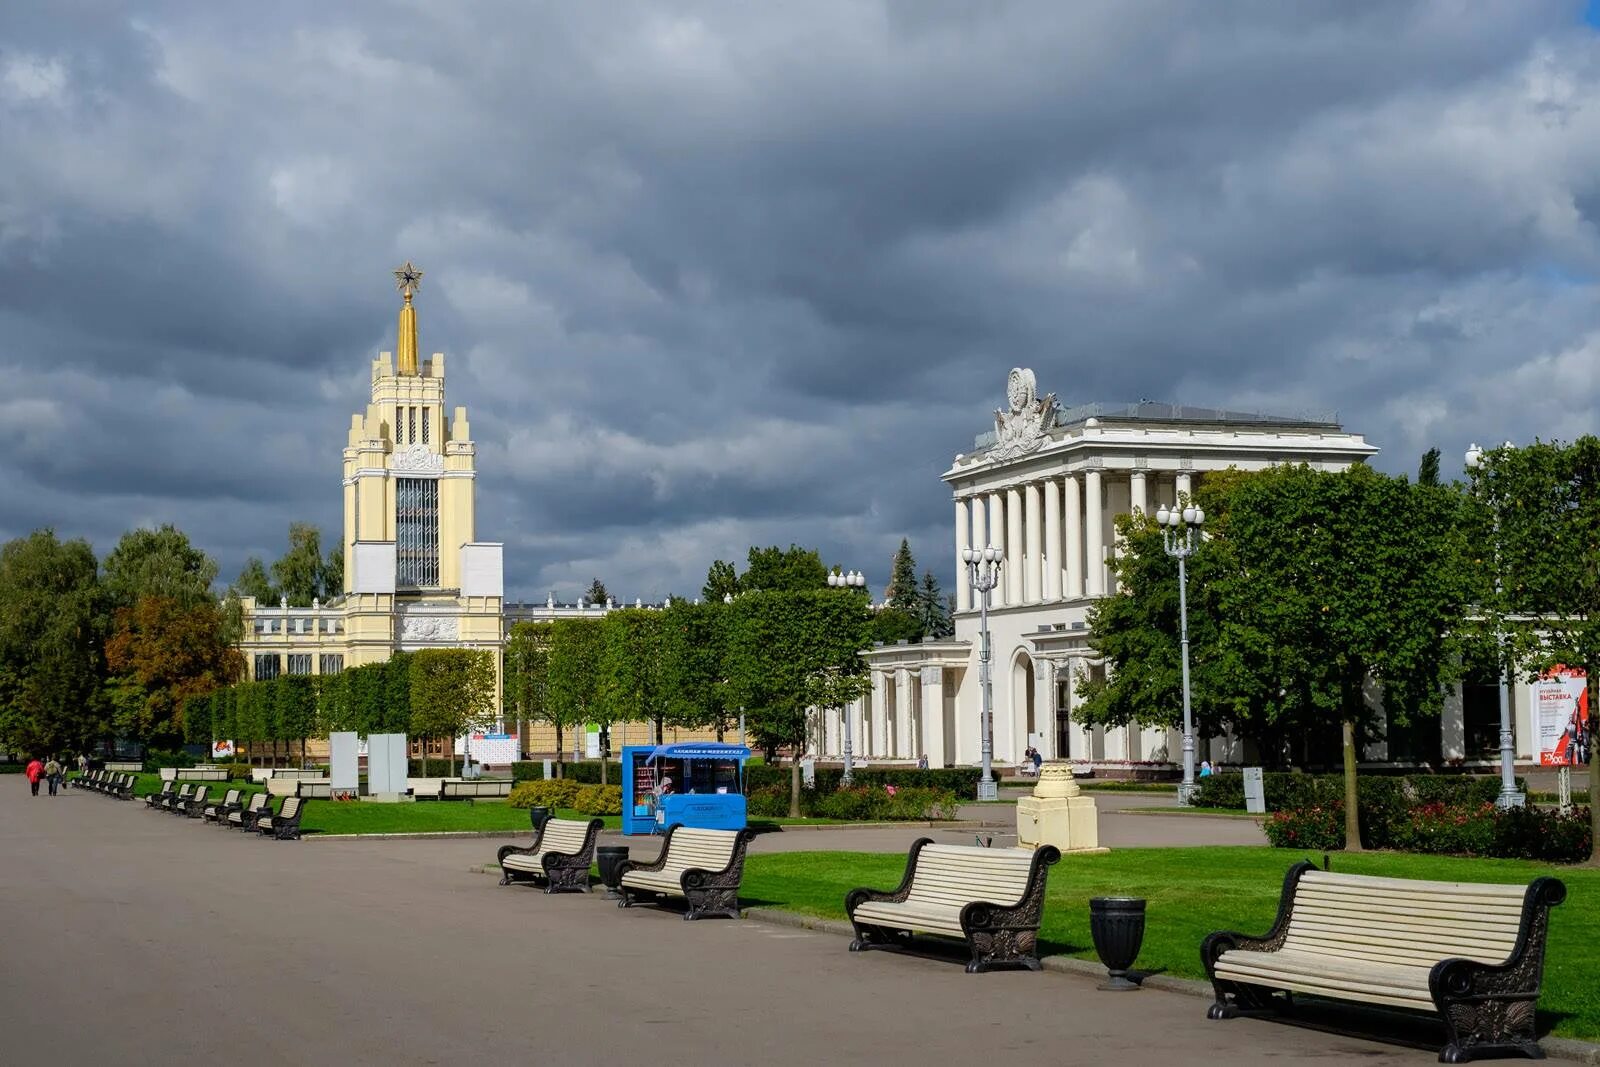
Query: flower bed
(1462,829)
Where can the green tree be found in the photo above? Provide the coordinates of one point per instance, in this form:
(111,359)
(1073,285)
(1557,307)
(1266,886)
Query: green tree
(367,693)
(52,632)
(1428,469)
(630,686)
(722,581)
(452,693)
(334,710)
(527,672)
(299,571)
(794,569)
(332,576)
(1308,585)
(571,692)
(902,591)
(159,562)
(934,609)
(790,653)
(891,625)
(597,593)
(694,642)
(254,582)
(294,704)
(1546,498)
(395,712)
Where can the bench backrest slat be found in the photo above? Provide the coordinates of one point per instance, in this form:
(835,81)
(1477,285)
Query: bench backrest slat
(1402,921)
(564,835)
(186,792)
(230,798)
(960,874)
(291,808)
(710,850)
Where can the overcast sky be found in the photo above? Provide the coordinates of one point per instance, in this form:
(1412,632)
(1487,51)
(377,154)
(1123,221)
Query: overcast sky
(710,275)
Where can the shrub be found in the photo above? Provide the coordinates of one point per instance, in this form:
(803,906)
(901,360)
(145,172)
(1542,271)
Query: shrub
(556,793)
(240,771)
(885,803)
(1535,834)
(1320,828)
(962,781)
(772,802)
(598,800)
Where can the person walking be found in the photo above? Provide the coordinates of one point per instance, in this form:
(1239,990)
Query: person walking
(52,774)
(34,771)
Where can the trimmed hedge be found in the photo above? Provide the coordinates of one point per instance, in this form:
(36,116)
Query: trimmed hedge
(1469,829)
(586,772)
(1287,790)
(556,793)
(598,800)
(962,781)
(860,803)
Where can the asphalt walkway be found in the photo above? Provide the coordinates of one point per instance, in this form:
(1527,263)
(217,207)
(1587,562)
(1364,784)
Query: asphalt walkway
(133,937)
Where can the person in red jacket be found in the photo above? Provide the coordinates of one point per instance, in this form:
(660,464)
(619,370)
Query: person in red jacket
(35,771)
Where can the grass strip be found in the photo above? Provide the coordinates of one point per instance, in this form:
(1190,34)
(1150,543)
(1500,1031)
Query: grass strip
(1195,891)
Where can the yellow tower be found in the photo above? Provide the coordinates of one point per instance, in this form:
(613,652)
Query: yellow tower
(414,574)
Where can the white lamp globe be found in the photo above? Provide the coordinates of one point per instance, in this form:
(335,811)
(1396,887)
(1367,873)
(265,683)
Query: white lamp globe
(1199,516)
(1188,514)
(1474,456)
(1161,517)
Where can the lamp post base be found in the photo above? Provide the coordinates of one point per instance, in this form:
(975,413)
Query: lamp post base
(1186,793)
(988,789)
(1513,799)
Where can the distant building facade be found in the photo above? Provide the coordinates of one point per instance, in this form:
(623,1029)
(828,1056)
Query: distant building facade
(1046,485)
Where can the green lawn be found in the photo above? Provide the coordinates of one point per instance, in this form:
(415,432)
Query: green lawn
(425,817)
(1194,891)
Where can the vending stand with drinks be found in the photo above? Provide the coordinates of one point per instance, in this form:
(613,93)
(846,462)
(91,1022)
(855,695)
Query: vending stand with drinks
(699,785)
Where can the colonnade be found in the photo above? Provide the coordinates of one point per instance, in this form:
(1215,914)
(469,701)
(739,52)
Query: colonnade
(906,716)
(1055,531)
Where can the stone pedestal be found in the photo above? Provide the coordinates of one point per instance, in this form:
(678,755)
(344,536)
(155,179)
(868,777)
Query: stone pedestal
(1058,813)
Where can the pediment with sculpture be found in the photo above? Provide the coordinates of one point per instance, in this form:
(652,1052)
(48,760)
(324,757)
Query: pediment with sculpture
(1025,427)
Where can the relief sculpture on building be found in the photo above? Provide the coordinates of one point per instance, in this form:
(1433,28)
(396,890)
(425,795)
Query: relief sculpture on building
(1022,429)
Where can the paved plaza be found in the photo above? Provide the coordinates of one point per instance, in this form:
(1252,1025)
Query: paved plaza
(134,936)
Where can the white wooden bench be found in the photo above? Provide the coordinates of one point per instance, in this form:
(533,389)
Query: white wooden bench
(472,788)
(561,853)
(131,766)
(245,818)
(425,788)
(159,799)
(704,867)
(175,801)
(202,774)
(217,812)
(1471,952)
(285,826)
(993,898)
(313,788)
(196,803)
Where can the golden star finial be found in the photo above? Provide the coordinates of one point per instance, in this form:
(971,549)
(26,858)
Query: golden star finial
(408,280)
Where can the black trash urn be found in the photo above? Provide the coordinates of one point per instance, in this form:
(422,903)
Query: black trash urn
(1117,925)
(538,815)
(609,858)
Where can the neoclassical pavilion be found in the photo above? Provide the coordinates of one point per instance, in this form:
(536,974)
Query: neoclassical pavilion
(1046,485)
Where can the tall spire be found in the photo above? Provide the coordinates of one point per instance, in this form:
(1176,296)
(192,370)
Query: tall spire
(408,280)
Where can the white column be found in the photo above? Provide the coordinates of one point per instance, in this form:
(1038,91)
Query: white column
(1138,498)
(876,743)
(858,727)
(997,538)
(1094,519)
(932,680)
(900,735)
(1044,706)
(1184,486)
(963,542)
(980,527)
(1015,564)
(1052,539)
(1034,576)
(1074,552)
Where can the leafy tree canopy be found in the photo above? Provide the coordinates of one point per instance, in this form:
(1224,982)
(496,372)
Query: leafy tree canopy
(159,562)
(775,569)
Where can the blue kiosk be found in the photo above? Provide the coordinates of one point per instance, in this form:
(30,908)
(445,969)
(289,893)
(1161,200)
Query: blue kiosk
(696,784)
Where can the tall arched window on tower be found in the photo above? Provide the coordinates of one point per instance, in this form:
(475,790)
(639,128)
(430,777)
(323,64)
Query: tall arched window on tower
(416,530)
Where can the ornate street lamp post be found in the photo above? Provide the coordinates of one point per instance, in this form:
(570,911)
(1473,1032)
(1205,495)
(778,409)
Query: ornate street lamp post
(852,580)
(1478,461)
(1180,536)
(983,571)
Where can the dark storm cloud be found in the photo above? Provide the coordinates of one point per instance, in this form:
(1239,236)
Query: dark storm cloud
(728,273)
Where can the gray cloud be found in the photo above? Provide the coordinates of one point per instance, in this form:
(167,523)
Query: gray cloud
(723,274)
